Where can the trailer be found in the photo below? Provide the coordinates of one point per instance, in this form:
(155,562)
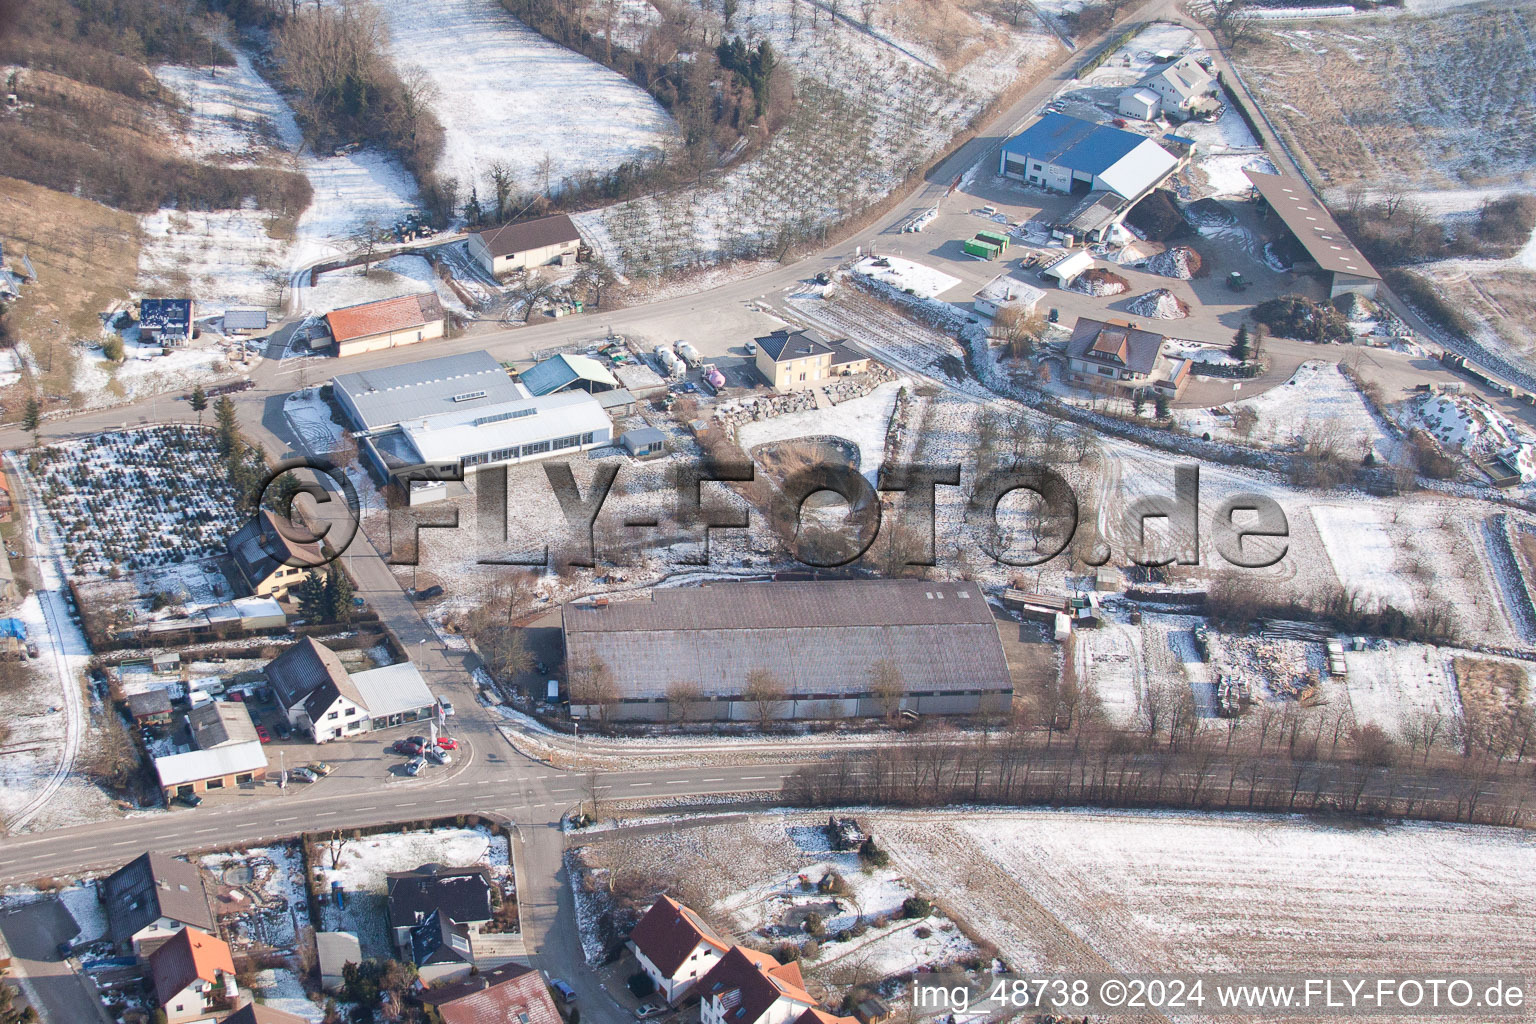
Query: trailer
(689,355)
(995,238)
(981,250)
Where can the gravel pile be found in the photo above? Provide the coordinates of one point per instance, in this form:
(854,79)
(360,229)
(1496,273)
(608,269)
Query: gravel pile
(1179,262)
(1161,304)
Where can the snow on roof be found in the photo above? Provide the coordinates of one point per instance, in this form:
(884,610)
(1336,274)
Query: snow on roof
(448,437)
(197,765)
(1070,266)
(393,689)
(256,607)
(392,394)
(1007,289)
(1139,170)
(1143,95)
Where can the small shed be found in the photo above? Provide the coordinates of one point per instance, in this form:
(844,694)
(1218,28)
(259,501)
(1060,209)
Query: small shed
(1141,103)
(166,664)
(1106,580)
(1066,270)
(335,951)
(644,442)
(872,1010)
(245,321)
(617,402)
(152,707)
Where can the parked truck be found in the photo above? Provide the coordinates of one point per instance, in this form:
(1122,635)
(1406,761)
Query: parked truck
(689,355)
(981,250)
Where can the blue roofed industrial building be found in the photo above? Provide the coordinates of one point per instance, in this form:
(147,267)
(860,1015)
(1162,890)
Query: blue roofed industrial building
(1111,168)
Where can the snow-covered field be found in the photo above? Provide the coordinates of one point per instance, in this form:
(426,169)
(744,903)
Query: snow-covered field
(1151,892)
(1389,684)
(906,276)
(148,370)
(861,420)
(510,95)
(1317,402)
(1362,554)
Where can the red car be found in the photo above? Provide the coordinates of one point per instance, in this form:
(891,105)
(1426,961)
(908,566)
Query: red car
(407,747)
(238,697)
(262,734)
(447,743)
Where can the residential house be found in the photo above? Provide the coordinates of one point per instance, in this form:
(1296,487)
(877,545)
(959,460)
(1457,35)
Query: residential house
(168,321)
(802,358)
(151,707)
(819,1016)
(675,947)
(1184,87)
(151,898)
(255,1013)
(193,975)
(435,914)
(316,692)
(509,994)
(529,243)
(1124,356)
(270,557)
(747,987)
(386,323)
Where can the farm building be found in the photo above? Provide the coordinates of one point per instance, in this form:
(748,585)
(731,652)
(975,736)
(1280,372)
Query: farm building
(1287,199)
(389,395)
(1124,356)
(530,243)
(387,323)
(1066,270)
(1003,291)
(168,321)
(568,373)
(817,640)
(245,321)
(202,771)
(1110,168)
(270,558)
(802,358)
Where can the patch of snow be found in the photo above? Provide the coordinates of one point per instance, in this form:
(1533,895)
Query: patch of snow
(906,276)
(860,420)
(1362,554)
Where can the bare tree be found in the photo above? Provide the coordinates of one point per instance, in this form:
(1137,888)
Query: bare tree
(592,684)
(366,241)
(682,695)
(766,693)
(503,184)
(887,684)
(335,843)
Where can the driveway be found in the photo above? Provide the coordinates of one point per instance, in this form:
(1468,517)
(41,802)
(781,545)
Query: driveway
(34,931)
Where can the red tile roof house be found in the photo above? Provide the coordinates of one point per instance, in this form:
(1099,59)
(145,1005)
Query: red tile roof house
(509,994)
(194,976)
(388,323)
(747,987)
(675,947)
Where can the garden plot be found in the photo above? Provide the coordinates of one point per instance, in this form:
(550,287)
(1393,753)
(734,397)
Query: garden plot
(1317,403)
(564,108)
(1392,685)
(136,499)
(1145,892)
(864,421)
(1109,658)
(362,864)
(145,370)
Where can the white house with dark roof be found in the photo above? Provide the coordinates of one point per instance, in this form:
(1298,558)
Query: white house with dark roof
(1184,87)
(529,243)
(322,698)
(1123,356)
(151,898)
(675,947)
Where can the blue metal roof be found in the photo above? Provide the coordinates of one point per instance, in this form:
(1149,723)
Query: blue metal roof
(1073,143)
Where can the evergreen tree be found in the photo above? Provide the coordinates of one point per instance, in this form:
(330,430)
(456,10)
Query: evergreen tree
(472,211)
(229,430)
(1160,403)
(199,400)
(338,595)
(1241,346)
(1138,401)
(32,420)
(311,594)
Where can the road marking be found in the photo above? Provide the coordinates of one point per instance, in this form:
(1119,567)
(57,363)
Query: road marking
(200,831)
(246,824)
(753,778)
(279,821)
(326,814)
(447,801)
(125,842)
(370,807)
(84,849)
(484,782)
(633,785)
(558,791)
(677,782)
(413,804)
(712,780)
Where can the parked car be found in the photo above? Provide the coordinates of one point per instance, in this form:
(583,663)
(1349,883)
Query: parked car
(415,766)
(652,1010)
(428,594)
(262,734)
(438,756)
(446,707)
(447,743)
(407,747)
(303,775)
(237,696)
(320,768)
(420,741)
(563,990)
(189,799)
(282,728)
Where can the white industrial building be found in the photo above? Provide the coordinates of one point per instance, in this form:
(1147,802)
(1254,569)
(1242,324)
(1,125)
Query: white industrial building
(1004,291)
(442,418)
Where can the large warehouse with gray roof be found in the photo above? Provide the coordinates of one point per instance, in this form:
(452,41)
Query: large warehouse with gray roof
(819,640)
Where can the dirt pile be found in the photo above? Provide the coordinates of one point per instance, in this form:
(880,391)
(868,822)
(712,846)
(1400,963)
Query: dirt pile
(1179,262)
(1160,304)
(1100,282)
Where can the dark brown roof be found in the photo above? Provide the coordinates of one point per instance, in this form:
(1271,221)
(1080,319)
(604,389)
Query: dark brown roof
(462,895)
(1115,344)
(783,346)
(509,994)
(1313,226)
(149,702)
(303,669)
(152,886)
(400,313)
(266,543)
(670,931)
(219,722)
(190,955)
(530,234)
(749,983)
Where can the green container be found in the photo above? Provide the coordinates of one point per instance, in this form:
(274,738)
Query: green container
(993,238)
(984,250)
